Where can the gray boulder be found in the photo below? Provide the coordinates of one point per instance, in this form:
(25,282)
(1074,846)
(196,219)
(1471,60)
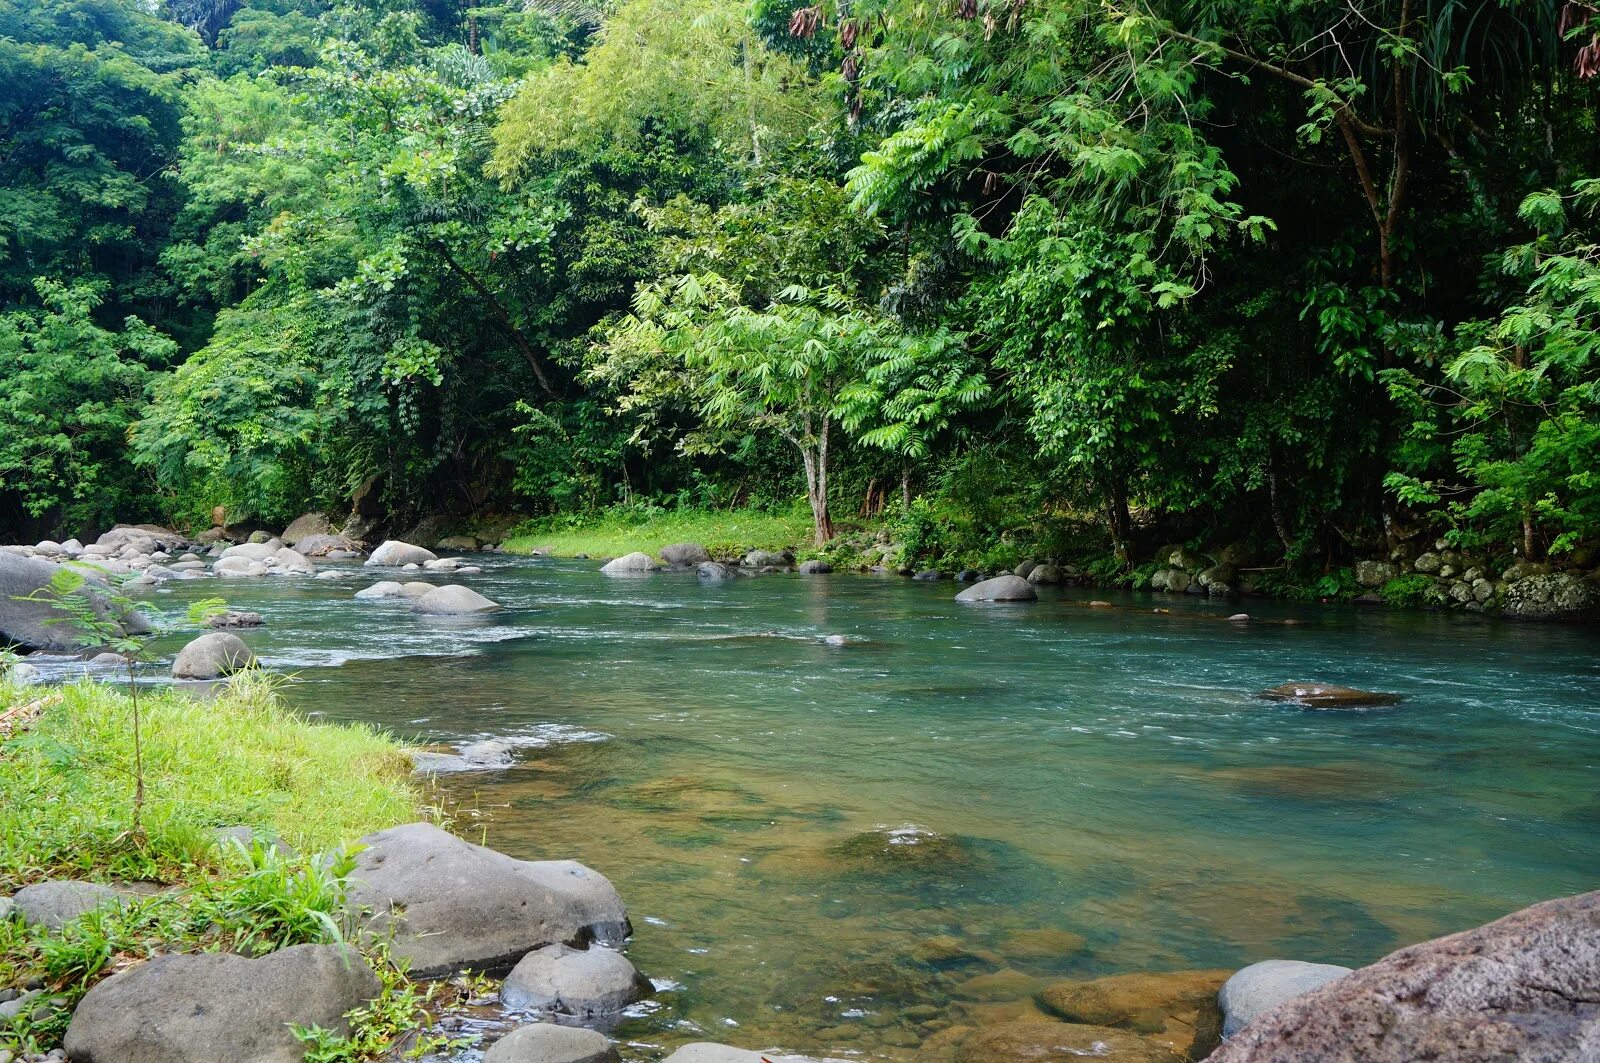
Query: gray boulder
(239,566)
(287,560)
(397,554)
(1000,589)
(815,568)
(585,984)
(1260,987)
(56,903)
(235,618)
(684,555)
(306,525)
(23,674)
(252,550)
(208,1008)
(416,589)
(1526,987)
(766,559)
(713,570)
(1555,596)
(1046,574)
(454,906)
(383,589)
(630,564)
(1375,573)
(212,657)
(548,1043)
(453,600)
(31,625)
(324,545)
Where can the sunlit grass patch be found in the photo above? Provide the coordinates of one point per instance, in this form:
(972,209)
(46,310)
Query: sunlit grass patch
(621,531)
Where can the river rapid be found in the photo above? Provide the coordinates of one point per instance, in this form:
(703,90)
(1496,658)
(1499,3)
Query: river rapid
(837,849)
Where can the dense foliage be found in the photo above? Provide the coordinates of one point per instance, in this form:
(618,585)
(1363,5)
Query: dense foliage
(1109,272)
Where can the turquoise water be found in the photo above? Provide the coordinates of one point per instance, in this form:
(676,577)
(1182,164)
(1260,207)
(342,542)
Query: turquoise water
(1078,790)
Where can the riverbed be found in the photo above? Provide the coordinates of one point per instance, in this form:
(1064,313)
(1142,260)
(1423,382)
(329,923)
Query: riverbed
(838,848)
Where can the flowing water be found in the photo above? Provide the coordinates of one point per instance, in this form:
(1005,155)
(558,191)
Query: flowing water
(837,849)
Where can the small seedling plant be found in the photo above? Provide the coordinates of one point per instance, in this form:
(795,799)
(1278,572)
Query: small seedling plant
(103,616)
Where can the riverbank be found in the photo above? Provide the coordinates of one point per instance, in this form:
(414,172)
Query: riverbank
(1417,572)
(236,786)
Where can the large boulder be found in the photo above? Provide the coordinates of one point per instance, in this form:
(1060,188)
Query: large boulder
(630,564)
(306,524)
(203,1009)
(397,554)
(286,560)
(1328,696)
(815,567)
(1526,987)
(584,984)
(453,600)
(1260,987)
(213,656)
(684,555)
(713,570)
(239,566)
(1000,589)
(1046,573)
(254,551)
(766,559)
(1555,596)
(40,625)
(455,906)
(382,589)
(1177,1009)
(55,903)
(548,1043)
(323,545)
(146,536)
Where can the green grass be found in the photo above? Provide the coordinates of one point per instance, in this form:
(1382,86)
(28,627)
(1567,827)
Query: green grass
(66,783)
(623,530)
(241,758)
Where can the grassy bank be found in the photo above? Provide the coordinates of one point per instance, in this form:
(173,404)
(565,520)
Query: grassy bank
(619,531)
(66,788)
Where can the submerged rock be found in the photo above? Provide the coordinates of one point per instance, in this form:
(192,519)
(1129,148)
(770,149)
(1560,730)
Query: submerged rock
(630,564)
(1040,1040)
(585,984)
(1328,696)
(204,1009)
(548,1043)
(397,554)
(1000,589)
(454,906)
(1526,987)
(212,657)
(1260,987)
(454,600)
(902,849)
(57,902)
(706,1052)
(1178,1009)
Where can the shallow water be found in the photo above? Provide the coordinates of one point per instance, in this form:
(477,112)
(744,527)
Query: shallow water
(1092,790)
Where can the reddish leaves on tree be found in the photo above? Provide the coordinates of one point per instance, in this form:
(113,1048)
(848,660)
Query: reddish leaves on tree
(805,21)
(1574,18)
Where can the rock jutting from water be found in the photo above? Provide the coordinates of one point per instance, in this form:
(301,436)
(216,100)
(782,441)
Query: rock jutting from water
(453,906)
(1000,589)
(396,554)
(684,555)
(1260,987)
(213,656)
(634,564)
(453,600)
(1328,696)
(548,1043)
(585,985)
(1525,987)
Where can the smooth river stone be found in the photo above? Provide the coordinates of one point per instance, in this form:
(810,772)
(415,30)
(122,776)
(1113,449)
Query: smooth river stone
(1000,589)
(1260,987)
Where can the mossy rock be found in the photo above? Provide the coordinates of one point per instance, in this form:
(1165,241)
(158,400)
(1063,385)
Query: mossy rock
(903,849)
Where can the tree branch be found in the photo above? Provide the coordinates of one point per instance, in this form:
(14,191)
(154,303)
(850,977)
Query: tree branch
(503,317)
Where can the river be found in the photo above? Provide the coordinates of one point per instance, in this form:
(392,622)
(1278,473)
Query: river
(836,849)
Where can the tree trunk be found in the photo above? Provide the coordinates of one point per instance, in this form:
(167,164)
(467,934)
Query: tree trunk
(1120,520)
(905,487)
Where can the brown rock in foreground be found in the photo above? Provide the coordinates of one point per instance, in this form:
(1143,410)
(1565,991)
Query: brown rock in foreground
(1328,696)
(1177,1009)
(1524,988)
